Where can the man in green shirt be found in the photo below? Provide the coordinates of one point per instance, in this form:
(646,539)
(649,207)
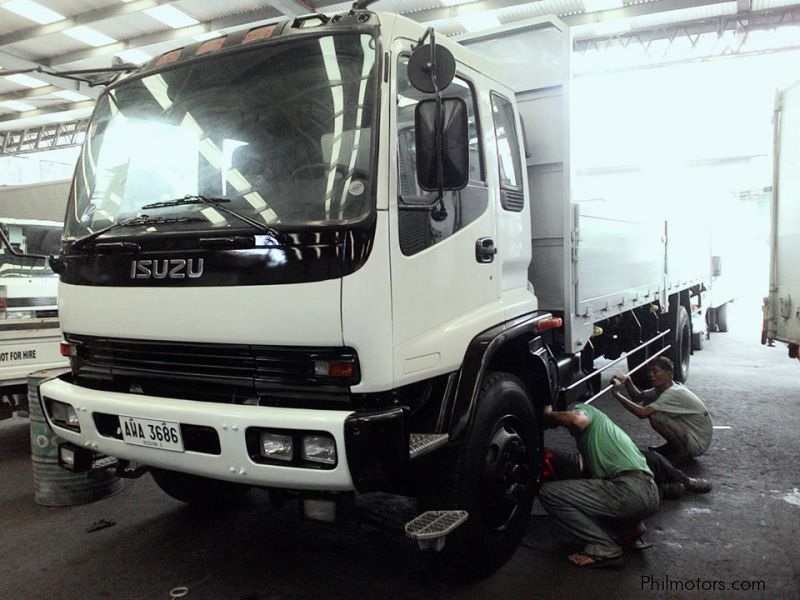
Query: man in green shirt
(678,415)
(621,485)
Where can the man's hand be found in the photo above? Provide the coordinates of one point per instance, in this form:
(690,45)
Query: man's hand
(619,382)
(548,409)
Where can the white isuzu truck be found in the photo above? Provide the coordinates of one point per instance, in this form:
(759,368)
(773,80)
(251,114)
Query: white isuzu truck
(309,257)
(782,319)
(29,327)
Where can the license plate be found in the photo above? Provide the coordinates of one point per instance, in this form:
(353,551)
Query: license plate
(164,435)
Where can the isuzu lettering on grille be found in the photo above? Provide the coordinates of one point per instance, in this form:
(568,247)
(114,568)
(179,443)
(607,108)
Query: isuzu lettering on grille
(172,268)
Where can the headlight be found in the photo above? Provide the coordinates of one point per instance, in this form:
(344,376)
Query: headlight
(320,449)
(276,446)
(62,414)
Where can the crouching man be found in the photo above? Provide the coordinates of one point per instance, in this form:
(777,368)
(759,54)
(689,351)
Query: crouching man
(678,415)
(620,489)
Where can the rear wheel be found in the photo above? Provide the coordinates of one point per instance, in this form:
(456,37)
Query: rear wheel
(682,345)
(697,342)
(494,477)
(722,318)
(199,491)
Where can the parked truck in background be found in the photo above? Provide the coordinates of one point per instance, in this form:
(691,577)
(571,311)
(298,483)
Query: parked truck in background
(29,326)
(782,318)
(292,259)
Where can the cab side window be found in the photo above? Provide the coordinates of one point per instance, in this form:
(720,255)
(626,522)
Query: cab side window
(418,229)
(508,152)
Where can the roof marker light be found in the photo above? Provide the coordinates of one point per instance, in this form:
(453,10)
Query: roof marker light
(259,33)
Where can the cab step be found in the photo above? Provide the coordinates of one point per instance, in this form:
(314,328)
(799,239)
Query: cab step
(430,529)
(420,444)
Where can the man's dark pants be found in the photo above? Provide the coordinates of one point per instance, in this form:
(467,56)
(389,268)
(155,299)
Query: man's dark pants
(578,505)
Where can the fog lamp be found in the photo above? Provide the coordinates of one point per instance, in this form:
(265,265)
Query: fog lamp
(320,449)
(276,446)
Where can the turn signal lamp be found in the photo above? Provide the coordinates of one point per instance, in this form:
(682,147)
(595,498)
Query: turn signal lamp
(68,350)
(340,369)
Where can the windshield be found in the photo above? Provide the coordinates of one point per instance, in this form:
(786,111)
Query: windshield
(29,239)
(283,132)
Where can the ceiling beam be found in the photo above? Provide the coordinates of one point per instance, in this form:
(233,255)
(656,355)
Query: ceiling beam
(47,110)
(13,63)
(762,19)
(636,10)
(84,18)
(166,36)
(29,93)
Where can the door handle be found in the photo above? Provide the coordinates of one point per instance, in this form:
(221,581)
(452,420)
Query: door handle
(485,250)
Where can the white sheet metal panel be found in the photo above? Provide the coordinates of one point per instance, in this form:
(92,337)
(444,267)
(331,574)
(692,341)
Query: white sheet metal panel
(534,55)
(785,272)
(44,201)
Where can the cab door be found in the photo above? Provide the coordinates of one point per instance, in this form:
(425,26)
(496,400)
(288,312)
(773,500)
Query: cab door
(444,267)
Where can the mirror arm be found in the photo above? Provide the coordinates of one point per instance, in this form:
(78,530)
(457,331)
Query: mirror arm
(53,261)
(15,252)
(438,214)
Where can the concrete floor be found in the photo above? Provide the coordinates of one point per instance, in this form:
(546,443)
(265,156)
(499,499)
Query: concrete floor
(747,529)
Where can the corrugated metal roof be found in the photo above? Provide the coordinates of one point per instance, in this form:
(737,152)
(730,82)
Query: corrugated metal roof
(137,28)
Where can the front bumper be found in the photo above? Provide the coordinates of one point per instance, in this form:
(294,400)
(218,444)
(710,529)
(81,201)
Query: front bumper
(358,466)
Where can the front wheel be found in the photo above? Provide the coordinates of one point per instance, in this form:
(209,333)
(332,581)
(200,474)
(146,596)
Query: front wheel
(494,476)
(199,491)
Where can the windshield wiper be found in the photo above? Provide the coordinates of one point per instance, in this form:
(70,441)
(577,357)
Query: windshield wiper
(129,222)
(216,203)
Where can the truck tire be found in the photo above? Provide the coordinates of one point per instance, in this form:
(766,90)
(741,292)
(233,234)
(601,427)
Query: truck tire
(682,346)
(722,318)
(697,342)
(199,491)
(494,477)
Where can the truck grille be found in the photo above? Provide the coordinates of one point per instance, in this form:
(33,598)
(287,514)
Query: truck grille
(214,372)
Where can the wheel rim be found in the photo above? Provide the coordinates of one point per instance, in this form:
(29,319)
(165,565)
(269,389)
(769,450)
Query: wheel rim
(506,479)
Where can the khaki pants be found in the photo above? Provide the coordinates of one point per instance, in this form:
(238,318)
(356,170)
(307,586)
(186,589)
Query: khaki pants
(578,505)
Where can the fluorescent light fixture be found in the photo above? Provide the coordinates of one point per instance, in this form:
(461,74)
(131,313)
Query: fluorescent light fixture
(455,2)
(479,21)
(208,35)
(26,80)
(17,105)
(134,55)
(169,15)
(71,96)
(89,36)
(34,12)
(597,5)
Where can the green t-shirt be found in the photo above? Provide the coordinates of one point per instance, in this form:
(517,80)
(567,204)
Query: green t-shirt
(607,449)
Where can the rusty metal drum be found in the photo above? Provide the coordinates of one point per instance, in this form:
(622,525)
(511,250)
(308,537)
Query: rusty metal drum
(52,485)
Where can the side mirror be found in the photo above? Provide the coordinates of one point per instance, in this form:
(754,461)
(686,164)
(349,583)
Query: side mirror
(454,145)
(716,266)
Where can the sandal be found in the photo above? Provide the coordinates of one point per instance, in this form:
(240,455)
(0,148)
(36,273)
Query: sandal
(598,562)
